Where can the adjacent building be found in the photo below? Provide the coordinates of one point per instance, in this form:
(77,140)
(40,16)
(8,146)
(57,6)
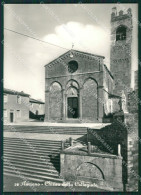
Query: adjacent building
(16,106)
(36,109)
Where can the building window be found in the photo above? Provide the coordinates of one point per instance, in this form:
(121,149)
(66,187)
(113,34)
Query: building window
(121,33)
(72,66)
(5,98)
(37,112)
(18,113)
(5,113)
(19,99)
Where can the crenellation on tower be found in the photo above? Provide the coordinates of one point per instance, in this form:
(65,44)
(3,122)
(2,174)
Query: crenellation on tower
(122,14)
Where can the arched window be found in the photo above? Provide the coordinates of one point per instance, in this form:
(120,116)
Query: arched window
(121,33)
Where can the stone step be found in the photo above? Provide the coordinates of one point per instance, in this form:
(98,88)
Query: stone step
(34,176)
(36,157)
(55,165)
(27,151)
(42,161)
(64,133)
(29,178)
(42,165)
(35,148)
(48,167)
(31,162)
(34,144)
(50,130)
(32,170)
(32,140)
(42,127)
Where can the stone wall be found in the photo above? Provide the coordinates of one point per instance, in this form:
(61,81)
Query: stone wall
(132,151)
(108,138)
(102,170)
(133,154)
(133,102)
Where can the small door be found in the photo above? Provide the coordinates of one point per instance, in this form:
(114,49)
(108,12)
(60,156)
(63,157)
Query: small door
(73,107)
(11,117)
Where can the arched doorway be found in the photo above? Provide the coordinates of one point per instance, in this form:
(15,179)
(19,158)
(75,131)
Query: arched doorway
(72,103)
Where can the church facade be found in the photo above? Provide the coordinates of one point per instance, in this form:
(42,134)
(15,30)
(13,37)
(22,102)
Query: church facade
(77,88)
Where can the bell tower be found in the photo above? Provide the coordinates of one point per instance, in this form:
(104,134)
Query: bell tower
(120,54)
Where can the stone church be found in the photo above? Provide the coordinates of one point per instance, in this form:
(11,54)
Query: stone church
(78,85)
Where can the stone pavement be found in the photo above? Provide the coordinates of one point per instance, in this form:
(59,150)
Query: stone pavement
(57,137)
(91,125)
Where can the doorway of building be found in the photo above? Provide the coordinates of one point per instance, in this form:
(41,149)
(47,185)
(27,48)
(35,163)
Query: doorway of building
(11,117)
(72,107)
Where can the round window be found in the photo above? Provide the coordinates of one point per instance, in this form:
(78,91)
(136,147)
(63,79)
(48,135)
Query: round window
(72,66)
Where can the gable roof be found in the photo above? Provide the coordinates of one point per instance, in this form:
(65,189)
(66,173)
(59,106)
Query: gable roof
(75,51)
(13,92)
(36,101)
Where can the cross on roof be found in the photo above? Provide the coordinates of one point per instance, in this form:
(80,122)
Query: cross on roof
(72,45)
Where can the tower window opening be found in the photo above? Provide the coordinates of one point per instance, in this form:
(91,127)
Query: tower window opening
(121,33)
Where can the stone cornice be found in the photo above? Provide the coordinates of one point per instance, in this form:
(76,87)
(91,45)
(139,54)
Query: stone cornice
(74,74)
(75,53)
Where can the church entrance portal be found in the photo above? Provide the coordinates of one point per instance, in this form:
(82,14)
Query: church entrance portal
(72,107)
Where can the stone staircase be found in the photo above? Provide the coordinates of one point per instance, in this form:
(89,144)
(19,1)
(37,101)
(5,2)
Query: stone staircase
(47,129)
(35,160)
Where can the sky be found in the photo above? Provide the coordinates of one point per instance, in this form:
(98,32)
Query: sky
(85,25)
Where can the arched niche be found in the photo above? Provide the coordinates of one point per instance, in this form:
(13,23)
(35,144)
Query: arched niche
(89,170)
(55,101)
(72,83)
(89,100)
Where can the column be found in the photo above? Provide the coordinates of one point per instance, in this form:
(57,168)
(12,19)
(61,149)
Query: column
(63,104)
(47,105)
(80,104)
(100,98)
